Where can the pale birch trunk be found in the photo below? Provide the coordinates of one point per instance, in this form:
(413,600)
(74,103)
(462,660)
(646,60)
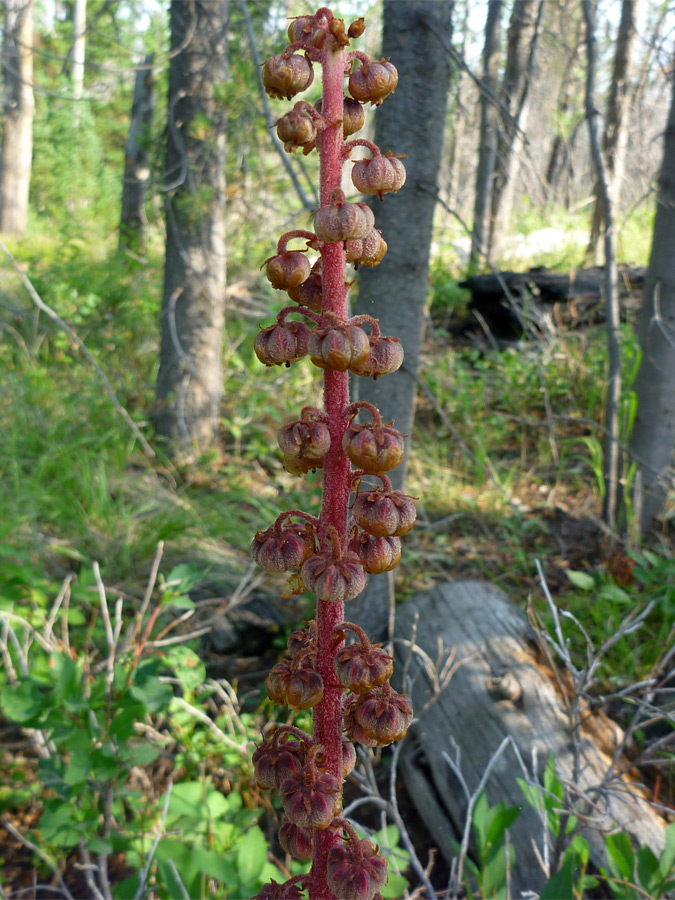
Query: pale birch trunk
(17,116)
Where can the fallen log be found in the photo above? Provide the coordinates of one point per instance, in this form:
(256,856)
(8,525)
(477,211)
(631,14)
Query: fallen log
(502,689)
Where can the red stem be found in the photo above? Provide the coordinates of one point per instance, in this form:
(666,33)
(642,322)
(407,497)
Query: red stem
(337,468)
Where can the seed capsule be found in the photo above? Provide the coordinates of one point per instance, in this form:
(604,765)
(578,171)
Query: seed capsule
(353,116)
(373,81)
(288,270)
(275,891)
(283,549)
(307,441)
(369,251)
(385,357)
(383,714)
(298,129)
(338,347)
(384,513)
(355,872)
(304,688)
(286,76)
(374,448)
(280,345)
(301,28)
(341,220)
(275,761)
(310,293)
(360,669)
(354,730)
(296,841)
(378,175)
(311,800)
(377,554)
(334,579)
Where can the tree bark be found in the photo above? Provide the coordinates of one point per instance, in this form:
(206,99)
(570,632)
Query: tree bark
(17,121)
(487,148)
(522,43)
(612,457)
(137,158)
(79,32)
(189,383)
(615,138)
(653,434)
(454,194)
(416,34)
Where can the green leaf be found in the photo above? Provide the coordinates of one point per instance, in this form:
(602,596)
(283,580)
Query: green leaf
(395,887)
(100,845)
(502,819)
(215,865)
(251,855)
(648,870)
(561,884)
(620,856)
(582,580)
(667,861)
(154,694)
(122,725)
(139,754)
(59,826)
(22,702)
(127,889)
(187,666)
(480,822)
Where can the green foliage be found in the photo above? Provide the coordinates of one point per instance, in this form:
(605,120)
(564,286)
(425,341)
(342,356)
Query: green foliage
(490,827)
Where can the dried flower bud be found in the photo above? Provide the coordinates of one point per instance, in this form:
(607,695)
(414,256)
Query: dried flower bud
(355,871)
(385,357)
(288,270)
(309,441)
(361,668)
(353,116)
(283,549)
(384,513)
(378,175)
(310,293)
(273,761)
(334,579)
(286,76)
(296,841)
(357,28)
(348,757)
(338,346)
(275,891)
(369,251)
(302,639)
(277,682)
(354,730)
(280,345)
(311,799)
(374,448)
(373,81)
(377,554)
(304,687)
(383,714)
(301,28)
(341,220)
(298,129)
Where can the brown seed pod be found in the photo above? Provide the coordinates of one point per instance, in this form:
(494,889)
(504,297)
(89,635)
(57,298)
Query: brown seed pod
(373,81)
(355,871)
(384,513)
(361,668)
(353,116)
(283,549)
(304,687)
(275,760)
(354,730)
(296,841)
(385,357)
(338,346)
(287,270)
(286,76)
(377,554)
(310,293)
(378,175)
(282,344)
(305,440)
(311,798)
(334,579)
(301,28)
(298,128)
(383,714)
(341,220)
(277,682)
(369,251)
(374,448)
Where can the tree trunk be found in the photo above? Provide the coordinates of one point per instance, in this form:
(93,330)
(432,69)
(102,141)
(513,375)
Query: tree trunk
(189,383)
(137,158)
(515,96)
(615,138)
(611,459)
(79,30)
(487,149)
(653,434)
(454,194)
(17,121)
(416,34)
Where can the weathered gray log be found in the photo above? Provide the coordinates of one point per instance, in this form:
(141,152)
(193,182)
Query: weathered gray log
(492,637)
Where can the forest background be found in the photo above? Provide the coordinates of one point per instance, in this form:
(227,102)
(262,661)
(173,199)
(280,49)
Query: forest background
(508,453)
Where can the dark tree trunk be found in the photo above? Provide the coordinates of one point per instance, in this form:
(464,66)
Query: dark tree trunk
(137,158)
(653,434)
(416,35)
(17,116)
(615,137)
(189,383)
(487,147)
